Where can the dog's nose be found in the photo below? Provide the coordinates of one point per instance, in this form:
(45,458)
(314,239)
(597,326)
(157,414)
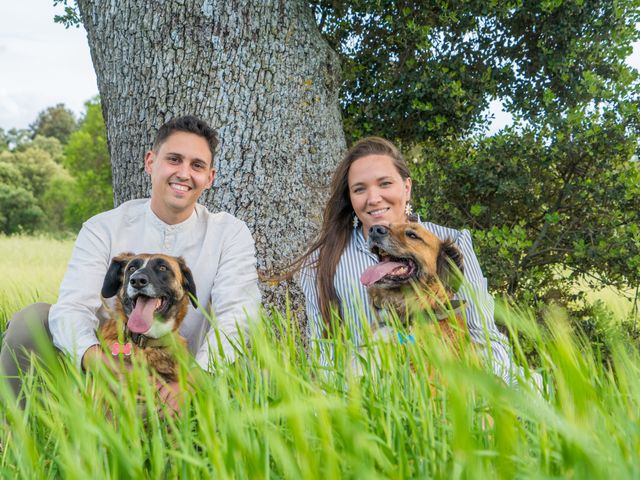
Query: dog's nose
(139,280)
(379,230)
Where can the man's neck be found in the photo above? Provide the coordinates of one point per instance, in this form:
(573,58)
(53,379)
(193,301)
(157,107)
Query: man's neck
(171,218)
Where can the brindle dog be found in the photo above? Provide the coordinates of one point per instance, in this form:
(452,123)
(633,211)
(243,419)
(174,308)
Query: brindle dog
(153,293)
(417,271)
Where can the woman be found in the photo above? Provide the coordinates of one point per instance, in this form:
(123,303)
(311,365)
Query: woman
(372,186)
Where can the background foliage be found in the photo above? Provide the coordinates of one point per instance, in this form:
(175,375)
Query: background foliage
(56,174)
(552,200)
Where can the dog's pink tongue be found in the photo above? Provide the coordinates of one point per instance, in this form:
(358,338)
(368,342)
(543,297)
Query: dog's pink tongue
(141,318)
(375,272)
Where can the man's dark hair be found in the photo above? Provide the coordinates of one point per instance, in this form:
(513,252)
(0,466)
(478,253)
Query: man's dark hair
(188,124)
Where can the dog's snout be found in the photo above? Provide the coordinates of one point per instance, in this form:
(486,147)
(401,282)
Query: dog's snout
(139,280)
(379,230)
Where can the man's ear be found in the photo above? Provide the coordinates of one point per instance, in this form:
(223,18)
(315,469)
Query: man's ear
(115,275)
(212,176)
(450,265)
(149,158)
(187,282)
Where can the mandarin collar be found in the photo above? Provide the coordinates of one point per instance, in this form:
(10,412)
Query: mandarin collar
(155,221)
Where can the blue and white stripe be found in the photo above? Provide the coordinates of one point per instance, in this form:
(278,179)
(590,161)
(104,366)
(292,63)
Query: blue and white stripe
(354,300)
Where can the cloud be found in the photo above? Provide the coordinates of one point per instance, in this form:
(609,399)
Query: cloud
(42,64)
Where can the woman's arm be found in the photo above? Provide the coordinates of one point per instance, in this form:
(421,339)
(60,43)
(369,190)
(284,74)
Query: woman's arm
(479,313)
(315,324)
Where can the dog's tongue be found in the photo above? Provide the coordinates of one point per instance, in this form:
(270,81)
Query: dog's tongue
(141,318)
(375,272)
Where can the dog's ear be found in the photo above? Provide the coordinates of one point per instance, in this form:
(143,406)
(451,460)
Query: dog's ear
(187,282)
(115,275)
(450,265)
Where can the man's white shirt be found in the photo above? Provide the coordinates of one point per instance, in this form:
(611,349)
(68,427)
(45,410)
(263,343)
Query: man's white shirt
(217,247)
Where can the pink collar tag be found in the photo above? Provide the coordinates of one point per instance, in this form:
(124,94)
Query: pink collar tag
(118,348)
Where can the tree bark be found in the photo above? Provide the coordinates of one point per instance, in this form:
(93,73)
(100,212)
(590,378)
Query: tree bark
(259,72)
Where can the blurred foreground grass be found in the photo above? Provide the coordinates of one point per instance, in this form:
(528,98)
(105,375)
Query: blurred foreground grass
(278,412)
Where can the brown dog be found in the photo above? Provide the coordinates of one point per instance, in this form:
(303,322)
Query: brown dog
(152,300)
(417,272)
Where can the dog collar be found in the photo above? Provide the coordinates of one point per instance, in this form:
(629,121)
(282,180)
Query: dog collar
(455,308)
(143,341)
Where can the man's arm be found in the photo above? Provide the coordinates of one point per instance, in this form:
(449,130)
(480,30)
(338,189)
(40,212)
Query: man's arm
(72,320)
(235,296)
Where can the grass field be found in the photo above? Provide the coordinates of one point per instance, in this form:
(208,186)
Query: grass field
(32,268)
(418,412)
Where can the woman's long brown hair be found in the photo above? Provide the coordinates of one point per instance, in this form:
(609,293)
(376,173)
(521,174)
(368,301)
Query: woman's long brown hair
(337,221)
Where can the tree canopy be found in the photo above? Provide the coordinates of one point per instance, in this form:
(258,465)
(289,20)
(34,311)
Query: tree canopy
(57,122)
(86,158)
(52,187)
(416,70)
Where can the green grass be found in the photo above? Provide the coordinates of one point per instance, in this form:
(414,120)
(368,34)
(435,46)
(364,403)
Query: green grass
(32,269)
(418,412)
(619,302)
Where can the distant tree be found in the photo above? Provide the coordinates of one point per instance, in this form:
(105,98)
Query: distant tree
(19,211)
(4,141)
(51,145)
(16,138)
(36,166)
(57,203)
(31,174)
(10,174)
(66,184)
(57,122)
(86,158)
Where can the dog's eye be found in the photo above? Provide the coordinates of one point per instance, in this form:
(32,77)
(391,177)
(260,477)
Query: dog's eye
(132,269)
(412,235)
(162,268)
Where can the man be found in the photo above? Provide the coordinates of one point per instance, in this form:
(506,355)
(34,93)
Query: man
(218,249)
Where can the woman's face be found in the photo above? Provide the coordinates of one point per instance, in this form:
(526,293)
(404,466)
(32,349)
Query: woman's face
(377,191)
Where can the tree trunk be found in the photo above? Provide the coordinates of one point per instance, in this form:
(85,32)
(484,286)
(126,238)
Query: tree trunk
(259,72)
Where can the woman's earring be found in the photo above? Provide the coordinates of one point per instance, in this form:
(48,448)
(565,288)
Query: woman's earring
(408,211)
(355,221)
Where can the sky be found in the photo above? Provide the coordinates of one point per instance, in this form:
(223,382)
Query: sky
(43,64)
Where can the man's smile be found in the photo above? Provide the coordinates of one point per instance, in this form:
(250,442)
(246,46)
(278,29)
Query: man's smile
(180,187)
